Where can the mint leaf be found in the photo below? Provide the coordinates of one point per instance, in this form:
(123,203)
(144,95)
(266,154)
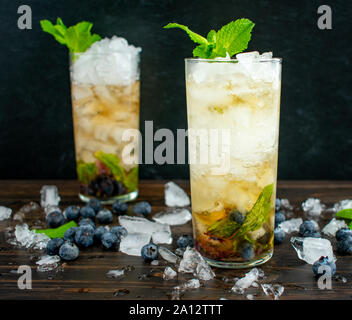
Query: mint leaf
(230,39)
(259,213)
(57,232)
(345,214)
(131,180)
(113,163)
(77,38)
(86,172)
(223,228)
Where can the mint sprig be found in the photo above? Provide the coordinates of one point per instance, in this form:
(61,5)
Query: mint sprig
(57,232)
(231,39)
(77,38)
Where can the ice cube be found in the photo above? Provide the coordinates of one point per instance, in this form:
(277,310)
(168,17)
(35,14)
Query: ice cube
(175,196)
(333,226)
(275,290)
(169,273)
(29,207)
(311,249)
(313,207)
(248,280)
(48,263)
(161,232)
(19,216)
(133,243)
(154,263)
(51,208)
(266,55)
(285,204)
(173,217)
(247,57)
(27,238)
(204,271)
(291,225)
(191,284)
(250,296)
(5,213)
(115,273)
(343,204)
(168,255)
(49,196)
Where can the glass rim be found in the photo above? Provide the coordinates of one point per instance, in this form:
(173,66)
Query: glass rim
(104,53)
(231,60)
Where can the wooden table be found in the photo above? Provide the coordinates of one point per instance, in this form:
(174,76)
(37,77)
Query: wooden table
(86,277)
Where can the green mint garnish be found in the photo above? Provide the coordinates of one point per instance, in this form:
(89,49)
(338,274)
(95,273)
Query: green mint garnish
(131,180)
(223,228)
(112,162)
(77,38)
(57,232)
(231,39)
(345,214)
(86,172)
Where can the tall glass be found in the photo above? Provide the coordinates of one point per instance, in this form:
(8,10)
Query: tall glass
(102,111)
(233,199)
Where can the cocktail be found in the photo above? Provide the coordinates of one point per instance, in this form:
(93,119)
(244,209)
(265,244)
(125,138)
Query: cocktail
(233,199)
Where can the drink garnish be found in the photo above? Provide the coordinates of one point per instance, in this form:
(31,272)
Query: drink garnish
(77,38)
(57,232)
(231,39)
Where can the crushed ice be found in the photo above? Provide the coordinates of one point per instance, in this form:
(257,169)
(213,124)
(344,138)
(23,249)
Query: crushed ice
(175,196)
(27,238)
(248,280)
(169,273)
(48,263)
(313,207)
(118,273)
(173,217)
(5,213)
(291,225)
(333,226)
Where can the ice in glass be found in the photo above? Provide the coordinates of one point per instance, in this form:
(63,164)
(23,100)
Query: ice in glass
(234,208)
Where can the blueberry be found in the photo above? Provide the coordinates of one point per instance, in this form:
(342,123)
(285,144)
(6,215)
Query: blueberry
(142,208)
(247,251)
(69,251)
(279,218)
(307,228)
(119,231)
(315,234)
(185,241)
(99,232)
(107,187)
(53,246)
(55,219)
(109,240)
(104,216)
(343,234)
(87,212)
(119,207)
(86,221)
(344,246)
(84,236)
(69,234)
(72,212)
(237,216)
(149,252)
(277,204)
(279,235)
(119,187)
(95,204)
(323,261)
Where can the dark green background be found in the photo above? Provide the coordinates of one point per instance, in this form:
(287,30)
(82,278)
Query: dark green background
(36,139)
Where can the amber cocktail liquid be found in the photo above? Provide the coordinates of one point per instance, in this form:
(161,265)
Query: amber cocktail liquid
(233,211)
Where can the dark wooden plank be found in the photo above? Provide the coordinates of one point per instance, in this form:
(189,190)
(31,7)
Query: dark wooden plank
(86,277)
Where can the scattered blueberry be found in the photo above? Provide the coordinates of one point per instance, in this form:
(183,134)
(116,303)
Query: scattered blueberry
(99,232)
(119,207)
(307,228)
(104,216)
(237,216)
(247,251)
(344,246)
(72,212)
(185,241)
(87,212)
(279,235)
(142,208)
(86,221)
(69,251)
(84,236)
(149,252)
(69,234)
(343,234)
(109,240)
(279,218)
(95,204)
(323,261)
(55,219)
(53,246)
(277,204)
(119,231)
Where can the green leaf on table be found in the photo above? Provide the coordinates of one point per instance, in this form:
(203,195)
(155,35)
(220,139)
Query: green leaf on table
(345,214)
(350,225)
(86,172)
(77,38)
(57,232)
(131,180)
(113,163)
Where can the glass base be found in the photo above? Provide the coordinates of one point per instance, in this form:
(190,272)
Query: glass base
(123,198)
(240,265)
